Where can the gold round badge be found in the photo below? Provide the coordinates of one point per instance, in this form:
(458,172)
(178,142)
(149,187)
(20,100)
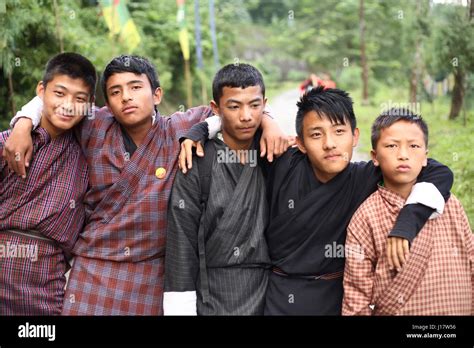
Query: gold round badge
(160,173)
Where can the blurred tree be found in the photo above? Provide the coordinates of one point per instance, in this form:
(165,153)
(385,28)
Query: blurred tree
(453,50)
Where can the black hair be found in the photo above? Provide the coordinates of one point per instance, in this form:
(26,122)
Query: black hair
(389,117)
(73,65)
(332,103)
(134,64)
(236,75)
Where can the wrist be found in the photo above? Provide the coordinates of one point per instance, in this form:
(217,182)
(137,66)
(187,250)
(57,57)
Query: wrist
(24,124)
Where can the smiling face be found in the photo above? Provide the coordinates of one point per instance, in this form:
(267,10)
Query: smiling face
(65,103)
(241,110)
(328,145)
(131,99)
(401,153)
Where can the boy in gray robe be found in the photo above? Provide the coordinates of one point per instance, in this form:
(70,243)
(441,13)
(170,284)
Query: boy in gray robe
(217,260)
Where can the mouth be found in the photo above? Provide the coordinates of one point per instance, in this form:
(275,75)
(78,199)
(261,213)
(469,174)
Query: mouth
(65,117)
(333,157)
(246,129)
(129,109)
(403,168)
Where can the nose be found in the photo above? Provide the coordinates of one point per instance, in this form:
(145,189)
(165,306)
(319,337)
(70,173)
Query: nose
(403,153)
(246,114)
(329,142)
(68,106)
(126,95)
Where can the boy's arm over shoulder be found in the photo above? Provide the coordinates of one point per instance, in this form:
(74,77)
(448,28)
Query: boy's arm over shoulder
(426,200)
(361,259)
(183,121)
(182,260)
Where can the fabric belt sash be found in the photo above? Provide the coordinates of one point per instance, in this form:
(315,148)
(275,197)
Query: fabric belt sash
(327,276)
(31,234)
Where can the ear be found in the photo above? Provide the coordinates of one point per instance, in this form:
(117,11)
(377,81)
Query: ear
(264,102)
(214,107)
(425,161)
(40,89)
(157,95)
(300,144)
(373,154)
(355,138)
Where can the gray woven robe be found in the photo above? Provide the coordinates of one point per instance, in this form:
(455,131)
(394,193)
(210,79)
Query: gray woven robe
(219,250)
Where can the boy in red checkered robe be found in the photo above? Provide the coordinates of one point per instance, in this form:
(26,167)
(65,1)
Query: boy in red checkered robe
(42,215)
(437,275)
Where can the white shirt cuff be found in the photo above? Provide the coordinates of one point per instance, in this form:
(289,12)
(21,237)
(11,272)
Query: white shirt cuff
(427,194)
(31,110)
(214,125)
(179,303)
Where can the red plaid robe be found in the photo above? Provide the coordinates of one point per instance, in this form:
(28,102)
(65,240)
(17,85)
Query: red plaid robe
(438,278)
(120,255)
(48,201)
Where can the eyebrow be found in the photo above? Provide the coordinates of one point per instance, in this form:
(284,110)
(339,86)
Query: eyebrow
(64,87)
(128,83)
(332,126)
(239,102)
(398,140)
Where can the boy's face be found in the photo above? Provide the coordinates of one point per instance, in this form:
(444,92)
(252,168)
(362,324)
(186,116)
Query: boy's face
(241,110)
(65,103)
(328,146)
(131,99)
(401,153)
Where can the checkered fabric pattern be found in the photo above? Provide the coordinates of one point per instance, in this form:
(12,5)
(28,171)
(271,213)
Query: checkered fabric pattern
(49,200)
(101,287)
(437,278)
(30,283)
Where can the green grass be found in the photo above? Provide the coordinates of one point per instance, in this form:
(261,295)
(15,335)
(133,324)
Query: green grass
(450,141)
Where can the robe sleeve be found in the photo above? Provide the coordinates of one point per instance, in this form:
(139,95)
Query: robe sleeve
(359,272)
(182,261)
(418,210)
(3,137)
(183,121)
(83,130)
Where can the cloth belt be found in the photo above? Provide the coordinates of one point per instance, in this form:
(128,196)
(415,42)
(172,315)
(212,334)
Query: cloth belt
(327,276)
(32,235)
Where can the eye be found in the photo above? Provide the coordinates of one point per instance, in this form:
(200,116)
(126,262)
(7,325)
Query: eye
(415,146)
(80,100)
(59,94)
(391,146)
(136,87)
(315,135)
(233,107)
(340,131)
(255,106)
(114,92)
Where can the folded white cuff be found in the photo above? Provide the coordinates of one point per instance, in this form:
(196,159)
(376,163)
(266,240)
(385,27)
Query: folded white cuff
(427,194)
(214,125)
(179,303)
(31,110)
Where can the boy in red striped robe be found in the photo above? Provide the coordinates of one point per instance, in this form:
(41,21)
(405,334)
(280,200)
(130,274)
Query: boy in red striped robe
(42,215)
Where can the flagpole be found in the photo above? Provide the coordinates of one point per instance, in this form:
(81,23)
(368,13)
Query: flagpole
(184,42)
(200,65)
(58,26)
